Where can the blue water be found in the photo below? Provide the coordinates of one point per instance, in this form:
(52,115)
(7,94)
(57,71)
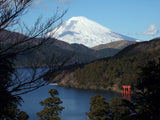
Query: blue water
(75,101)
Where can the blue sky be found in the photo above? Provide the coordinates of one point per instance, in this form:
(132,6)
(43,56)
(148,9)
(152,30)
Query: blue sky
(135,18)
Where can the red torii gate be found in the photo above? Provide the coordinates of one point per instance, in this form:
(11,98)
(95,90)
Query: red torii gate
(126,92)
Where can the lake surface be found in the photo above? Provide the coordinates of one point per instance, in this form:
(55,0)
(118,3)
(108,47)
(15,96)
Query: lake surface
(75,101)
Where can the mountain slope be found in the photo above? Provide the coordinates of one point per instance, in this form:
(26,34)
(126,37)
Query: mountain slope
(112,73)
(43,55)
(60,50)
(84,31)
(135,49)
(116,45)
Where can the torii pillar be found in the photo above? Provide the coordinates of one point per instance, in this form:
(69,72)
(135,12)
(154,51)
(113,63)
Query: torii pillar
(126,92)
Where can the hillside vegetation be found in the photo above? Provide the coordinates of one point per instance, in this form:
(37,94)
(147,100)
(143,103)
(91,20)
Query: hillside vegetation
(116,45)
(52,51)
(111,73)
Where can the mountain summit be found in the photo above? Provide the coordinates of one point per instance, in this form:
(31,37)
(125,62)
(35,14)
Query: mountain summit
(84,31)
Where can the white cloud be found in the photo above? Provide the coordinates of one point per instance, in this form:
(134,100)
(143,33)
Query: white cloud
(151,30)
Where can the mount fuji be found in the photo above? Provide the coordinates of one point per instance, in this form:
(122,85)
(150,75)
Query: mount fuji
(87,32)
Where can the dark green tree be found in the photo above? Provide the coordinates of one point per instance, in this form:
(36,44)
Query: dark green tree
(13,113)
(145,104)
(7,99)
(121,109)
(116,109)
(148,97)
(51,107)
(99,108)
(22,116)
(145,100)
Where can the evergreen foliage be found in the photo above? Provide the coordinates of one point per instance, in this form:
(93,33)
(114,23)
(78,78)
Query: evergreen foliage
(121,109)
(145,103)
(119,70)
(149,95)
(51,107)
(116,109)
(11,112)
(99,108)
(8,101)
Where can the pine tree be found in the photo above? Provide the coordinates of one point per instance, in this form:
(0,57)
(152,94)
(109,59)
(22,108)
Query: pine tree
(148,96)
(121,109)
(99,109)
(51,107)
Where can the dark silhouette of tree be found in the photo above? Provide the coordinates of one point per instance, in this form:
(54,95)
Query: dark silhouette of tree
(115,109)
(12,45)
(148,97)
(99,108)
(13,113)
(121,109)
(51,107)
(6,72)
(22,116)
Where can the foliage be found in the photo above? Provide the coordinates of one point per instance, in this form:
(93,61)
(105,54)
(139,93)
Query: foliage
(121,109)
(116,109)
(22,116)
(119,70)
(43,55)
(51,107)
(148,96)
(11,112)
(99,108)
(7,99)
(145,103)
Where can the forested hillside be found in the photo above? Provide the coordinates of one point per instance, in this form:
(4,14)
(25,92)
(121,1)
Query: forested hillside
(111,73)
(116,45)
(52,51)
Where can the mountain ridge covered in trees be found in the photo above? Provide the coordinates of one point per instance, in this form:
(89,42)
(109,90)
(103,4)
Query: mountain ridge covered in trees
(112,73)
(42,56)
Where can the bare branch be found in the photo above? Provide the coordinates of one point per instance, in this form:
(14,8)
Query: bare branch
(11,11)
(13,44)
(39,30)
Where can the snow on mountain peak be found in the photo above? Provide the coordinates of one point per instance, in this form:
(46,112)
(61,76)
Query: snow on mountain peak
(78,18)
(84,31)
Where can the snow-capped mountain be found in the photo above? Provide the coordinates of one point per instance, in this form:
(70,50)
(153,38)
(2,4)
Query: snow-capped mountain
(87,32)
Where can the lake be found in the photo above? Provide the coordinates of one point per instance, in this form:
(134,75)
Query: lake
(75,101)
